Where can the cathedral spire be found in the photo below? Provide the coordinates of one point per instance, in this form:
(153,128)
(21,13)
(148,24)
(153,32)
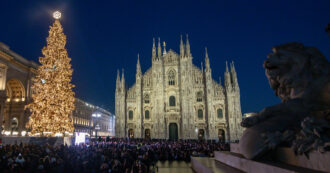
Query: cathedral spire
(181,47)
(207,60)
(138,67)
(118,77)
(187,47)
(202,67)
(159,48)
(164,44)
(233,74)
(227,77)
(232,67)
(122,80)
(153,50)
(118,81)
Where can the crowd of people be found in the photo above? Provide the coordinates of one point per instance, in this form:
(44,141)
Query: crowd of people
(115,155)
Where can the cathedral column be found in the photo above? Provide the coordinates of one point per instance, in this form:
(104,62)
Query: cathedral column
(3,98)
(3,95)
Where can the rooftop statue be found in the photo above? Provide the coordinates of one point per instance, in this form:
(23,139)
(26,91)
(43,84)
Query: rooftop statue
(300,77)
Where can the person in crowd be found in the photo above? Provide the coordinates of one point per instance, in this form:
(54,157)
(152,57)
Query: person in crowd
(110,155)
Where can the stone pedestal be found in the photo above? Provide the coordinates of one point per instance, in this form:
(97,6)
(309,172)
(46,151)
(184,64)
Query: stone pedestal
(239,162)
(234,148)
(286,161)
(316,161)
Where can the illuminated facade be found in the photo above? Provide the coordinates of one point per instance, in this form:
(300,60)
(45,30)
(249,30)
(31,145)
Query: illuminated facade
(92,119)
(174,99)
(15,92)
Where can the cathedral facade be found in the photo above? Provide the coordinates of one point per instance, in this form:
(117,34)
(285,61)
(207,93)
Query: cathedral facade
(174,99)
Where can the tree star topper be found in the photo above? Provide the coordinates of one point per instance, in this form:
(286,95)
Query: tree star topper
(57,15)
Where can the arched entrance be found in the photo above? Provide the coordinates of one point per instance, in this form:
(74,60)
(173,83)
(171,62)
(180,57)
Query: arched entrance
(201,134)
(173,131)
(221,135)
(147,133)
(15,90)
(131,133)
(14,106)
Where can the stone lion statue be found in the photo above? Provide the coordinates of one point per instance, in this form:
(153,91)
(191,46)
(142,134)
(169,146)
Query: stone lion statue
(300,77)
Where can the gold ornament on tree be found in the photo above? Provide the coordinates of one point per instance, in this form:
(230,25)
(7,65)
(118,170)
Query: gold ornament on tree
(53,98)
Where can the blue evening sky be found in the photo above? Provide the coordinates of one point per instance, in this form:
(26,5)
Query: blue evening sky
(106,35)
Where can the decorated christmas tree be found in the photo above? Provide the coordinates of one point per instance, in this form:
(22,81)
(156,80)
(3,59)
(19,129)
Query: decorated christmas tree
(52,96)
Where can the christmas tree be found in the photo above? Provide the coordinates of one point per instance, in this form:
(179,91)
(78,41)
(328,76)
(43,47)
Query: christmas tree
(53,98)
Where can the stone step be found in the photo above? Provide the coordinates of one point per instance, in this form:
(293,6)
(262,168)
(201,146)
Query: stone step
(172,167)
(210,165)
(239,162)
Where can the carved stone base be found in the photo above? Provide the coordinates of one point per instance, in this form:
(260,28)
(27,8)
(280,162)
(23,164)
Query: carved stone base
(239,162)
(316,160)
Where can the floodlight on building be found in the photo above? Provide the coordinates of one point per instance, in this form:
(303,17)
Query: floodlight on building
(23,133)
(58,134)
(68,133)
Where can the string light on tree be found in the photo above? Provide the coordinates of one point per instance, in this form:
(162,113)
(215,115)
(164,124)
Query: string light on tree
(53,98)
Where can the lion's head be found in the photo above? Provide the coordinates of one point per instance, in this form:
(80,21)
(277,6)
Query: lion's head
(292,67)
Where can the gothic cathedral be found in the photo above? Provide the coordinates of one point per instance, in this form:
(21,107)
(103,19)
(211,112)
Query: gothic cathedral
(174,99)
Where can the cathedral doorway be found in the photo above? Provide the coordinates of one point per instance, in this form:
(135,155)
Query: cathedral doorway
(221,135)
(131,133)
(173,131)
(147,133)
(201,134)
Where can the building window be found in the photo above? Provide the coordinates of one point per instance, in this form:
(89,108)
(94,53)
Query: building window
(130,115)
(171,78)
(199,96)
(146,99)
(146,115)
(200,114)
(172,101)
(219,113)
